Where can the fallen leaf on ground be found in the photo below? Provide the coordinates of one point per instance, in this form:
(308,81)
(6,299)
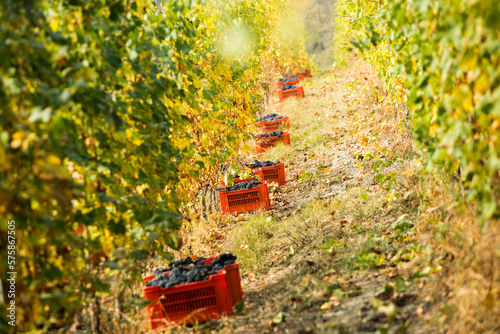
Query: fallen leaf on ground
(280,317)
(332,302)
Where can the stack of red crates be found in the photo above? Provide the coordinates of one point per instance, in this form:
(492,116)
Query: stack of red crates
(299,91)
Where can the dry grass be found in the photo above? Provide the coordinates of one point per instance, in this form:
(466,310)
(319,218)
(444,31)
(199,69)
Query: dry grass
(465,295)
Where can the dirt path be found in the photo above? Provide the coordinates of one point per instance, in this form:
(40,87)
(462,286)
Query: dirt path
(331,255)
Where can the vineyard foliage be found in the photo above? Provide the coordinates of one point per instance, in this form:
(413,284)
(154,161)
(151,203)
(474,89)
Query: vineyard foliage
(112,113)
(441,59)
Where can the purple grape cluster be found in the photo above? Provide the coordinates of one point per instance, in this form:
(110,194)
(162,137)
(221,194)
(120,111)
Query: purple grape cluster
(288,79)
(187,271)
(271,134)
(179,263)
(259,164)
(270,117)
(287,87)
(240,185)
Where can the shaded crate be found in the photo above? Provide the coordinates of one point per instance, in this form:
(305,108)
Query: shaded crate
(189,303)
(276,125)
(305,73)
(285,94)
(232,278)
(246,200)
(273,173)
(263,143)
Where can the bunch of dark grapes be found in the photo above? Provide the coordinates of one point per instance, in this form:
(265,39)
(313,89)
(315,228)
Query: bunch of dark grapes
(179,263)
(270,117)
(188,271)
(287,87)
(288,79)
(271,134)
(240,186)
(222,261)
(259,164)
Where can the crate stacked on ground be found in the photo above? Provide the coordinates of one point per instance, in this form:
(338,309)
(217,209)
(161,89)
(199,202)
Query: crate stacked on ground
(304,73)
(290,80)
(270,139)
(289,90)
(193,291)
(269,171)
(244,196)
(273,122)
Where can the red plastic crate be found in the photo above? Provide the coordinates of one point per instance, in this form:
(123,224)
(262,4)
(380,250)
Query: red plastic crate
(285,94)
(305,74)
(273,173)
(263,143)
(276,125)
(189,303)
(246,200)
(232,278)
